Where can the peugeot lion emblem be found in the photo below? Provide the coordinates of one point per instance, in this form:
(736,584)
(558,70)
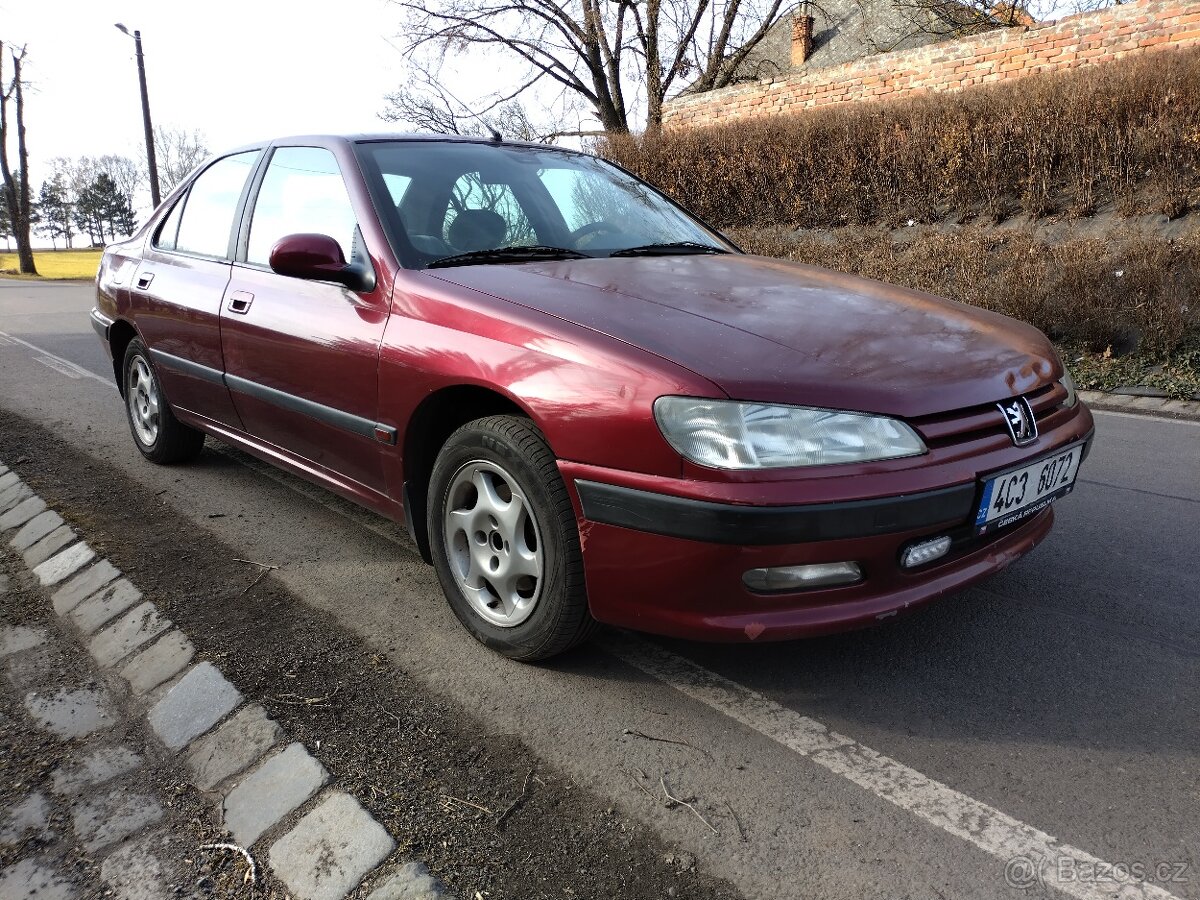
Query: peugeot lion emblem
(1018,416)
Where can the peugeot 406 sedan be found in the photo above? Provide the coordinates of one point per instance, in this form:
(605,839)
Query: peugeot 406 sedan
(586,405)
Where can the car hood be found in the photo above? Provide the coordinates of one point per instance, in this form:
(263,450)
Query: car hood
(775,331)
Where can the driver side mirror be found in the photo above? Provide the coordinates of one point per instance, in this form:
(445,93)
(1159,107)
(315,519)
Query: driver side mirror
(318,257)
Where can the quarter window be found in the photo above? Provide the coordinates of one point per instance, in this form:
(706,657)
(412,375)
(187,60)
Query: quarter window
(302,193)
(167,231)
(210,206)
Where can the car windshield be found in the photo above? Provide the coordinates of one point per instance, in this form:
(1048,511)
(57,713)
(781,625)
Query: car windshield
(462,203)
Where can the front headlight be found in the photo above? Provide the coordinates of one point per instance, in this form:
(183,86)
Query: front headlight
(727,434)
(1072,392)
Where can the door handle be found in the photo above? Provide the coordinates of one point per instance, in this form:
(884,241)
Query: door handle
(143,281)
(239,302)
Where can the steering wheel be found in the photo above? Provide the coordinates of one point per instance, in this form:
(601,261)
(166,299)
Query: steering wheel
(592,228)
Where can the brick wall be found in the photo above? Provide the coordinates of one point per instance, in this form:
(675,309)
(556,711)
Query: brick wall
(1141,26)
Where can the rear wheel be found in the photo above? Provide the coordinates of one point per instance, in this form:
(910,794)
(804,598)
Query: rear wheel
(504,540)
(159,436)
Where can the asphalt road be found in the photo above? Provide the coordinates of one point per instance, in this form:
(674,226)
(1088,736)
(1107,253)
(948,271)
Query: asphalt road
(1055,709)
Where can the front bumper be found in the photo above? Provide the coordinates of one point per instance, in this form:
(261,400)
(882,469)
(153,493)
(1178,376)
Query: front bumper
(673,565)
(723,523)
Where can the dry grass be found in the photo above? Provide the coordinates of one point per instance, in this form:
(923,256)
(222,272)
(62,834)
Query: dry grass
(1126,133)
(56,264)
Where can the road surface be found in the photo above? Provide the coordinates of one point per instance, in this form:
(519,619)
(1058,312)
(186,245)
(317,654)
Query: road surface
(1053,712)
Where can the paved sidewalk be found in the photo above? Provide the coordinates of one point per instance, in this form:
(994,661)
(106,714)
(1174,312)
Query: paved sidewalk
(140,772)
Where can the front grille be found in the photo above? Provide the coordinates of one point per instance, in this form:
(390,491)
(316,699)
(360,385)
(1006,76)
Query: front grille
(964,425)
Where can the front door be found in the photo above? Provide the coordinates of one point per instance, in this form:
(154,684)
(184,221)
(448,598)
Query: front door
(302,357)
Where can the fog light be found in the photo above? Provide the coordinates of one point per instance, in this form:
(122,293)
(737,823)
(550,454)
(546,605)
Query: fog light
(792,578)
(925,552)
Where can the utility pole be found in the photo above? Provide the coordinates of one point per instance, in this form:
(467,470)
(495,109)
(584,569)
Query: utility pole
(151,162)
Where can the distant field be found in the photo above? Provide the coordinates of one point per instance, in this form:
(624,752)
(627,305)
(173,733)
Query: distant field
(56,263)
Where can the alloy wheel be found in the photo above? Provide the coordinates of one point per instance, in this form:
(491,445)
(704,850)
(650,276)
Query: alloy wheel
(493,543)
(143,400)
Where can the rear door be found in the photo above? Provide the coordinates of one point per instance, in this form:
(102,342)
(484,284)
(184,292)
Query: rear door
(302,357)
(179,285)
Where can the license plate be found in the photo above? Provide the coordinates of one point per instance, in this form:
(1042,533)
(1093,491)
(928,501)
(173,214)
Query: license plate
(1019,493)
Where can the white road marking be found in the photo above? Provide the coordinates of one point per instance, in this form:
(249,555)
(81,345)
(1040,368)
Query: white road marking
(58,363)
(1039,856)
(57,366)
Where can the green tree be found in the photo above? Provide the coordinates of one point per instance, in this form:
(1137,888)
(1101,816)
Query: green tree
(57,207)
(102,208)
(88,213)
(126,172)
(118,213)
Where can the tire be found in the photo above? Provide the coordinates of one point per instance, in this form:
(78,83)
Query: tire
(159,436)
(504,540)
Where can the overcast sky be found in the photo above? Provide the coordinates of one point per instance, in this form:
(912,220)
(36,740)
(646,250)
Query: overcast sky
(238,70)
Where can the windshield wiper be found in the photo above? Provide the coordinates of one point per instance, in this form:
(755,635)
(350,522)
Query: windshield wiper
(668,249)
(506,255)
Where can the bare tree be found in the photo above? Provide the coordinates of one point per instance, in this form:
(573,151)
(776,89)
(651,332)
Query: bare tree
(5,227)
(1081,6)
(16,188)
(177,151)
(428,106)
(617,56)
(961,18)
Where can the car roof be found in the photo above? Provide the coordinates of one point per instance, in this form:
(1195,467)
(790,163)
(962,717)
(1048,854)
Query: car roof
(366,138)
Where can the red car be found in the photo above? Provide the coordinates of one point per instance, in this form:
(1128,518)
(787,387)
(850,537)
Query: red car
(586,405)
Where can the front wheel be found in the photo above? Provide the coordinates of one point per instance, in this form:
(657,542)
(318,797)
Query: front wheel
(505,544)
(159,436)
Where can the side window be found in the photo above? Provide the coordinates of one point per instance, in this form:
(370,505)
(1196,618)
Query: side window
(302,192)
(164,239)
(210,205)
(483,216)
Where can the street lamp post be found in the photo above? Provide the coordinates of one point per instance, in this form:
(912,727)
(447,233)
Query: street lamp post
(151,162)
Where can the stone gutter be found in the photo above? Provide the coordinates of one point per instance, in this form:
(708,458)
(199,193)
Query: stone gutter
(1147,401)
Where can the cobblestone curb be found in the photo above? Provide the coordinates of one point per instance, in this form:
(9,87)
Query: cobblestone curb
(1146,401)
(277,802)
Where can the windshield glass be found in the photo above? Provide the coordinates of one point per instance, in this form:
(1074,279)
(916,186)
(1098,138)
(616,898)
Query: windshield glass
(469,198)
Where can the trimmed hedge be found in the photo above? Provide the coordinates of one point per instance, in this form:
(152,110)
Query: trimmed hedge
(1124,133)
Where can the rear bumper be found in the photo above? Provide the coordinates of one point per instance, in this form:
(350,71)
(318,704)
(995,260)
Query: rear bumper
(102,325)
(674,565)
